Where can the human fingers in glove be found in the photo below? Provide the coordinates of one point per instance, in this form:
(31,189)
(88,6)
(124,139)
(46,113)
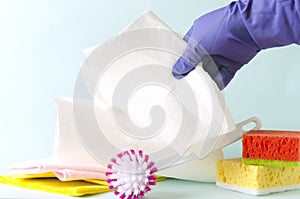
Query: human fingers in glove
(234,34)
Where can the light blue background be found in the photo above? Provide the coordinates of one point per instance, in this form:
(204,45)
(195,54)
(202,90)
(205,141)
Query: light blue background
(40,52)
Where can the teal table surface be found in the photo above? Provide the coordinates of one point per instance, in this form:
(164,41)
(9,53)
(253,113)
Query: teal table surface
(169,188)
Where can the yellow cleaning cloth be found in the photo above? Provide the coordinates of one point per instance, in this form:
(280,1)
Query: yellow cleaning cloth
(39,175)
(46,182)
(53,185)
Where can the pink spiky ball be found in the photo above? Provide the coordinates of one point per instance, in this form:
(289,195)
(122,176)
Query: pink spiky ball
(132,174)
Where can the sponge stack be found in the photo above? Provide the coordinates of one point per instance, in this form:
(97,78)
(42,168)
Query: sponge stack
(270,164)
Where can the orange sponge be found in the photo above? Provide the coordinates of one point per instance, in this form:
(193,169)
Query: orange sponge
(266,146)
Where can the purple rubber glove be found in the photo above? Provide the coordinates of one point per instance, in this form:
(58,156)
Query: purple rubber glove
(234,34)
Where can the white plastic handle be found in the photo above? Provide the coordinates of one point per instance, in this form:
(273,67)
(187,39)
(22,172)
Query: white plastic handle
(236,134)
(223,140)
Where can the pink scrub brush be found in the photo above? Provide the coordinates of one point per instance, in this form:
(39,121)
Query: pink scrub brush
(132,175)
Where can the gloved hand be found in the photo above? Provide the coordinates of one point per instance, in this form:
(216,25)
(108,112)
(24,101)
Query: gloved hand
(234,34)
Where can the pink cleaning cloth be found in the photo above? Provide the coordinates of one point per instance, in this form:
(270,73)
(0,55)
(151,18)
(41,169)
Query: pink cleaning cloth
(64,169)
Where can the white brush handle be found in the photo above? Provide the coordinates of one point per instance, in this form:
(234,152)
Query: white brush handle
(223,140)
(237,133)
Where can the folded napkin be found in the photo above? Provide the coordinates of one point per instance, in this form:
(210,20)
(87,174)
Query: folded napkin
(64,169)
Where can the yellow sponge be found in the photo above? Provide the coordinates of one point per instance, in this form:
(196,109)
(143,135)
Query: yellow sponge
(256,179)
